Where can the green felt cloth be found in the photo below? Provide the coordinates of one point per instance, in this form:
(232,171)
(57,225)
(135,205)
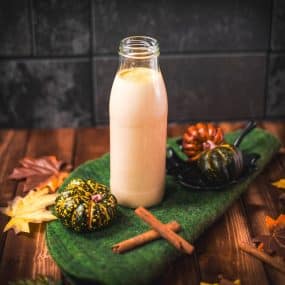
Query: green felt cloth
(89,256)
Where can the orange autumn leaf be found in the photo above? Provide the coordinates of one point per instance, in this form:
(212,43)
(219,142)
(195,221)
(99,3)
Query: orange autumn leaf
(39,173)
(274,242)
(281,220)
(279,183)
(53,182)
(271,224)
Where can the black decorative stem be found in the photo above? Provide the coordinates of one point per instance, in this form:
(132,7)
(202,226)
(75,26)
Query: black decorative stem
(249,127)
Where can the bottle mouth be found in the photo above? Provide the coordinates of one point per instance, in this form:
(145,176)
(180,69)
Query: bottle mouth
(139,47)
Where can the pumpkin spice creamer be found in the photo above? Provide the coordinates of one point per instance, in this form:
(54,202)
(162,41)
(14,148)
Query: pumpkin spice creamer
(138,125)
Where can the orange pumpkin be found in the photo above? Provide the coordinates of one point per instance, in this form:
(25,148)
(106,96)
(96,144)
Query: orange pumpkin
(201,137)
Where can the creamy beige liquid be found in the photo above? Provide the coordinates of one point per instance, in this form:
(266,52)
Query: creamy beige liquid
(138,122)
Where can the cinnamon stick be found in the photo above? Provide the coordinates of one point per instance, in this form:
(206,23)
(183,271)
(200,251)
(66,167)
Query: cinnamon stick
(176,240)
(143,238)
(272,261)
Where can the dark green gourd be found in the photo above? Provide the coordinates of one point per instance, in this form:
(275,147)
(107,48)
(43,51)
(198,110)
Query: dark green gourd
(85,205)
(221,164)
(224,162)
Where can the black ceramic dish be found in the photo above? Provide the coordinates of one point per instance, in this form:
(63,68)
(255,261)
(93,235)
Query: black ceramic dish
(190,176)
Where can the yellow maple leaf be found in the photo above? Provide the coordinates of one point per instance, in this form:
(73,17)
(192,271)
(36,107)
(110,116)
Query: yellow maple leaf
(19,225)
(29,209)
(279,183)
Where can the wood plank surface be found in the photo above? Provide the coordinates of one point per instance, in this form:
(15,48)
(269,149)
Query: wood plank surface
(90,144)
(26,255)
(184,271)
(12,148)
(219,253)
(262,197)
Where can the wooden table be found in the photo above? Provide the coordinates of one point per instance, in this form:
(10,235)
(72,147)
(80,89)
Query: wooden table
(26,256)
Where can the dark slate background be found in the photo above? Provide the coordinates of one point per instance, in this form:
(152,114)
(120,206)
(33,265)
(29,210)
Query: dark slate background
(222,60)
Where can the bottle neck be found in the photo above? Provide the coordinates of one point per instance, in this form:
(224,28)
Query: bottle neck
(139,51)
(128,63)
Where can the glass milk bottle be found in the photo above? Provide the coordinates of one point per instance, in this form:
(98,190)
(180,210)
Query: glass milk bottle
(138,123)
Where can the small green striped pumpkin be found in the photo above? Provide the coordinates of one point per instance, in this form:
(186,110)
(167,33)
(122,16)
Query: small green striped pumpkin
(221,164)
(85,205)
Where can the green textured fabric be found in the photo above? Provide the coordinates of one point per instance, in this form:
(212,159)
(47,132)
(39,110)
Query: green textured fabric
(89,256)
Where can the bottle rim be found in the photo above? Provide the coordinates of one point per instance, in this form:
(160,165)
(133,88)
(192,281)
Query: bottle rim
(139,47)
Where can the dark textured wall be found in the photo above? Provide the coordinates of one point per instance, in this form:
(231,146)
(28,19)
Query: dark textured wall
(222,60)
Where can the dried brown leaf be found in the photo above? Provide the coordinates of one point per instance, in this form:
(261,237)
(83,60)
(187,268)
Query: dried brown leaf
(274,242)
(41,172)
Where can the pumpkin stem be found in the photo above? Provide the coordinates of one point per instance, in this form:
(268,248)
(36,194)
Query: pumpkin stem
(97,198)
(208,145)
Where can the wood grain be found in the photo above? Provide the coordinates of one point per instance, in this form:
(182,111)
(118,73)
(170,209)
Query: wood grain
(259,201)
(26,255)
(12,147)
(184,271)
(219,254)
(91,144)
(274,261)
(276,128)
(262,197)
(5,139)
(12,150)
(175,130)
